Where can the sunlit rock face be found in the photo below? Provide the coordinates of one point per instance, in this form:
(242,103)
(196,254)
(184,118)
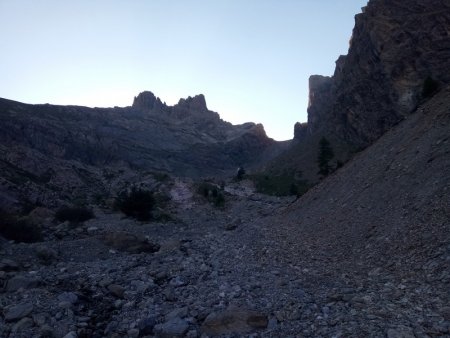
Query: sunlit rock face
(395,46)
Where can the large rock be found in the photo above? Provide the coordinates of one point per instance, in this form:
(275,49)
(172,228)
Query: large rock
(22,325)
(22,282)
(8,265)
(400,332)
(125,241)
(234,321)
(116,290)
(176,327)
(18,311)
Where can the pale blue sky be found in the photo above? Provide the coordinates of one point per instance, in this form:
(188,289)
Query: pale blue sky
(250,58)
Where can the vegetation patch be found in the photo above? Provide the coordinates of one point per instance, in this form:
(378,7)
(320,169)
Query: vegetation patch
(212,192)
(161,176)
(430,87)
(324,157)
(137,203)
(19,229)
(73,214)
(285,184)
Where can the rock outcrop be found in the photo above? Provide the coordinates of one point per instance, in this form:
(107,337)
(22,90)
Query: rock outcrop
(396,46)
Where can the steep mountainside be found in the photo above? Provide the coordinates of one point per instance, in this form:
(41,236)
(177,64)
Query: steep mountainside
(48,146)
(399,53)
(375,236)
(395,47)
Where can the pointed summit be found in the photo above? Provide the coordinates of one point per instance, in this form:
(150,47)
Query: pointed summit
(146,101)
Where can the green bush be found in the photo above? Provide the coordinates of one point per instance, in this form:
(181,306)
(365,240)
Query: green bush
(19,229)
(73,214)
(137,203)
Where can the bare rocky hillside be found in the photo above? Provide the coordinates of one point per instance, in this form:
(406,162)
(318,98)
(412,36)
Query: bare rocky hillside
(50,153)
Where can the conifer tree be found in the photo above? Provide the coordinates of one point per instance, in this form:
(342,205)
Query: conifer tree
(324,157)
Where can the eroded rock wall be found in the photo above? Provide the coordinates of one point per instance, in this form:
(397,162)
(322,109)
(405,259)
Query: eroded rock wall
(396,45)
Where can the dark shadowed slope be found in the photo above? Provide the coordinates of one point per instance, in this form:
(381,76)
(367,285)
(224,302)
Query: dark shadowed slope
(373,239)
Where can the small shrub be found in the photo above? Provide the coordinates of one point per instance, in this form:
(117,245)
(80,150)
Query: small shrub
(219,200)
(28,206)
(19,229)
(240,173)
(205,188)
(161,176)
(293,190)
(212,192)
(324,157)
(137,203)
(73,214)
(430,86)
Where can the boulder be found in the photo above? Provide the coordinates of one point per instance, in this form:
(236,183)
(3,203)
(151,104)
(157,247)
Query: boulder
(19,311)
(8,265)
(176,327)
(124,241)
(22,282)
(234,321)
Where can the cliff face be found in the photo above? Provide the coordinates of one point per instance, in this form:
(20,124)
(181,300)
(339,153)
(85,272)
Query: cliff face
(396,45)
(399,56)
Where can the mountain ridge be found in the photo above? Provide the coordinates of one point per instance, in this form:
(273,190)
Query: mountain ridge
(185,139)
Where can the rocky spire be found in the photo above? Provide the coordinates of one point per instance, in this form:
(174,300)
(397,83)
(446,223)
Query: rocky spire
(146,101)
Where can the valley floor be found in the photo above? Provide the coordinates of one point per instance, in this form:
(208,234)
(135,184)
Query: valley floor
(227,272)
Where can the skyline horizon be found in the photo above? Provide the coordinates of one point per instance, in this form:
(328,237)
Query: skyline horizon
(251,61)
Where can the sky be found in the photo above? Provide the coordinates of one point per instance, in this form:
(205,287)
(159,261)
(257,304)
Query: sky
(250,58)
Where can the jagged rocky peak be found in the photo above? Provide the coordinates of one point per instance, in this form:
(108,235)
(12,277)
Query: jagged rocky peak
(194,109)
(146,101)
(189,108)
(197,103)
(395,46)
